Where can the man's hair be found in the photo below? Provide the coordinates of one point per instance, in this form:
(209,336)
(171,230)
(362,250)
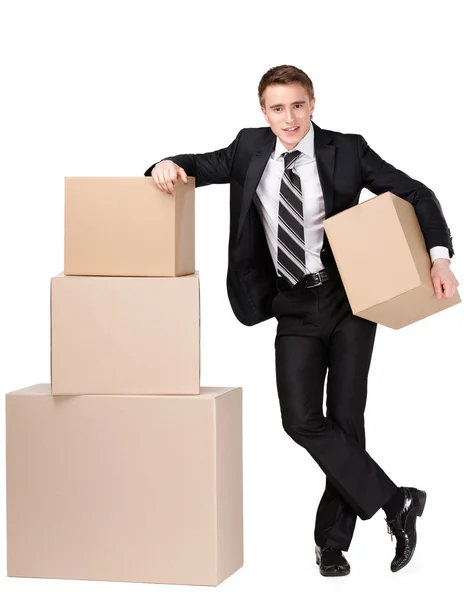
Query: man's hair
(284,74)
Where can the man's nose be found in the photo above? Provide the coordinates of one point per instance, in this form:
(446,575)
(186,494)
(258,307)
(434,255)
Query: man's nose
(288,116)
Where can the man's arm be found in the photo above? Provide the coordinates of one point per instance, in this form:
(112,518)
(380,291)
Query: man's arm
(207,168)
(379,176)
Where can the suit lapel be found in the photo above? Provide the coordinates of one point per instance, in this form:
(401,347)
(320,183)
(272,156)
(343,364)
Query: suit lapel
(255,170)
(325,154)
(325,157)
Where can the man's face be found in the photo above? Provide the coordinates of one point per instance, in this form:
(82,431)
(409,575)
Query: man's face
(287,109)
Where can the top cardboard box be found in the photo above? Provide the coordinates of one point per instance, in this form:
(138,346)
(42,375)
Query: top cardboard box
(383,261)
(125,226)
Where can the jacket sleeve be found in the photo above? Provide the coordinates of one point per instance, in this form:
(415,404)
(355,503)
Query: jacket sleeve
(379,176)
(207,168)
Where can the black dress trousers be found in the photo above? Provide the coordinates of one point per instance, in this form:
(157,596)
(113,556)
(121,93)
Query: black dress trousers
(317,333)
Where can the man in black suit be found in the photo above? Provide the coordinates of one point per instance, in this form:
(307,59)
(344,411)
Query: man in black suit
(285,179)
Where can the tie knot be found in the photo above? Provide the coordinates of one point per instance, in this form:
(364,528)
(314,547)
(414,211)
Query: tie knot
(290,158)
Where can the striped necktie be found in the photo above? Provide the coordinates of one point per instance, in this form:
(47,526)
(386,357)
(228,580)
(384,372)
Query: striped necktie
(291,235)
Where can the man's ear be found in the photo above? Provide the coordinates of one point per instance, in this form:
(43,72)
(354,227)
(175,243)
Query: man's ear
(312,107)
(263,110)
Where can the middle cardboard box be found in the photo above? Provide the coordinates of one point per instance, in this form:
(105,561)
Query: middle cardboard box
(125,335)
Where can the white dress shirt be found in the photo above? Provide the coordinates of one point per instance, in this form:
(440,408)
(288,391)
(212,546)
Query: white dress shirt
(267,202)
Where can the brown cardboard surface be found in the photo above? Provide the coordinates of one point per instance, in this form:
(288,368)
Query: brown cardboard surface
(125,488)
(125,335)
(383,262)
(125,226)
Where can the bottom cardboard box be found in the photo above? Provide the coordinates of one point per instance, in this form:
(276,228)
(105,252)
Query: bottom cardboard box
(124,488)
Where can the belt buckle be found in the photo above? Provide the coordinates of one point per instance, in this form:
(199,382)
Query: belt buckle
(320,282)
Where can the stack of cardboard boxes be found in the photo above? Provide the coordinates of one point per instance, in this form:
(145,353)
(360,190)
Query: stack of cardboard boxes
(123,468)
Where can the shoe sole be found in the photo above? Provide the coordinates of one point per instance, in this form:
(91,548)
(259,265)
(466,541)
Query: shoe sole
(417,513)
(330,573)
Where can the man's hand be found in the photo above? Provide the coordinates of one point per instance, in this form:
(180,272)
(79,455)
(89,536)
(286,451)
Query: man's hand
(444,280)
(166,173)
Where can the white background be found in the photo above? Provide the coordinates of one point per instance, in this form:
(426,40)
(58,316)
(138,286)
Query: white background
(108,88)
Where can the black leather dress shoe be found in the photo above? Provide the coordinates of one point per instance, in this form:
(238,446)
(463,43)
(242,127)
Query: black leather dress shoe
(331,562)
(403,526)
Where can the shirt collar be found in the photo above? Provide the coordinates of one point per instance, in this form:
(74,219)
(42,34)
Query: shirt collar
(305,145)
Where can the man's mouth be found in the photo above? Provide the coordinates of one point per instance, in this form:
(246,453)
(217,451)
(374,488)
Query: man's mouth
(291,129)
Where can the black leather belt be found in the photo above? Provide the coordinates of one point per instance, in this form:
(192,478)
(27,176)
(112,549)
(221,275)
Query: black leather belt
(308,280)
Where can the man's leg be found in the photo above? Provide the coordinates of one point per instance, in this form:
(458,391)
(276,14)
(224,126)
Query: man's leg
(350,348)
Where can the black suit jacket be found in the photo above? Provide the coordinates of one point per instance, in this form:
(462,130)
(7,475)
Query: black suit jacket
(346,165)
